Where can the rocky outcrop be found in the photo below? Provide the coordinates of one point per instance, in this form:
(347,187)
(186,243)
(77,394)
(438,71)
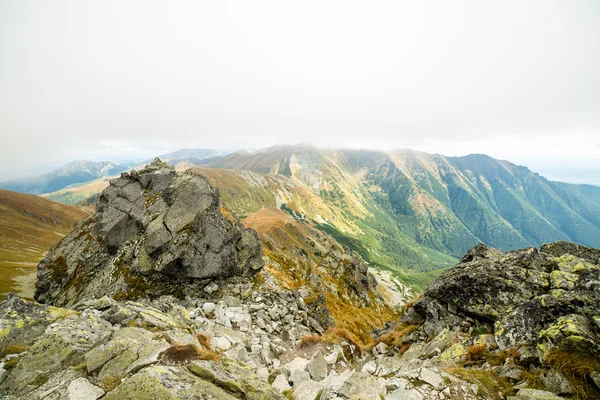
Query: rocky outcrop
(155,232)
(539,307)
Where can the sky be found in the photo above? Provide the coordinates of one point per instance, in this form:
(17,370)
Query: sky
(116,80)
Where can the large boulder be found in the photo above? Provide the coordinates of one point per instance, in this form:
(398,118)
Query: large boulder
(155,232)
(539,302)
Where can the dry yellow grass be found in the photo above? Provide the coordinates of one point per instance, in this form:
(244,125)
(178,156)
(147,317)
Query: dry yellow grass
(29,226)
(395,338)
(475,351)
(576,366)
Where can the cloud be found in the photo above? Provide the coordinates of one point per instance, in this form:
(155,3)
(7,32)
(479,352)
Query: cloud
(81,79)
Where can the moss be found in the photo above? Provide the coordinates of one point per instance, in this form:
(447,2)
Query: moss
(14,349)
(150,198)
(59,269)
(11,363)
(40,380)
(109,383)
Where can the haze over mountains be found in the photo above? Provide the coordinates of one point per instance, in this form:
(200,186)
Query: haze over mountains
(403,210)
(82,171)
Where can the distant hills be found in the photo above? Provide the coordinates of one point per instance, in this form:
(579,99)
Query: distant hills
(72,173)
(81,172)
(29,226)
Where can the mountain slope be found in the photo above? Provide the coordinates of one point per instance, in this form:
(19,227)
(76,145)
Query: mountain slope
(29,226)
(72,173)
(446,204)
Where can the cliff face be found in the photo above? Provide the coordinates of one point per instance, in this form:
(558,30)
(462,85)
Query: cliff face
(155,232)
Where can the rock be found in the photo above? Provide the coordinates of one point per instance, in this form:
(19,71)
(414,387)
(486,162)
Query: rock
(23,322)
(82,389)
(211,288)
(220,343)
(62,345)
(539,302)
(381,348)
(361,386)
(297,363)
(158,382)
(431,377)
(263,373)
(209,307)
(556,382)
(154,231)
(404,393)
(308,390)
(335,355)
(297,377)
(317,367)
(534,394)
(238,380)
(281,383)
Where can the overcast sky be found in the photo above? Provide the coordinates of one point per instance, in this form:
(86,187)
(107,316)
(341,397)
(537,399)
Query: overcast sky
(519,80)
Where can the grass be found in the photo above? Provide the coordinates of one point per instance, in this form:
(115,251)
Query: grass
(489,383)
(179,354)
(14,349)
(204,340)
(334,336)
(29,227)
(576,367)
(395,338)
(11,363)
(475,351)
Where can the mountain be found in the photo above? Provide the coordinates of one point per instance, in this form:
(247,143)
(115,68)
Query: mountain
(29,226)
(407,203)
(409,212)
(72,173)
(199,154)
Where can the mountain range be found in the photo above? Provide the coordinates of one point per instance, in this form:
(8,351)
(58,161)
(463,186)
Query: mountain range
(79,172)
(410,212)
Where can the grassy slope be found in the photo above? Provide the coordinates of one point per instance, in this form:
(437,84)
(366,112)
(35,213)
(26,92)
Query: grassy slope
(29,226)
(76,193)
(295,252)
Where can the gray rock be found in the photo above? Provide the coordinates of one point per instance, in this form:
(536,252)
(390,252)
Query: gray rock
(431,377)
(297,377)
(361,386)
(281,383)
(153,231)
(308,390)
(317,367)
(82,389)
(404,393)
(534,394)
(297,363)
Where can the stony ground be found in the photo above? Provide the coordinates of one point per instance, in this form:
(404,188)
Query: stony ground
(239,340)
